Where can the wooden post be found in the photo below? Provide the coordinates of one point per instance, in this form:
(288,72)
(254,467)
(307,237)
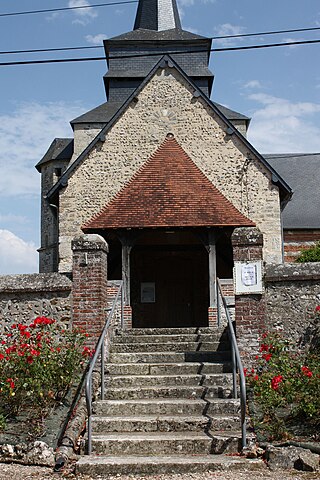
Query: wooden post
(126,249)
(211,249)
(127,242)
(212,269)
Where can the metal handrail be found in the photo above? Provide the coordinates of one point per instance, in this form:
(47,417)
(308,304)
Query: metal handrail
(100,351)
(236,365)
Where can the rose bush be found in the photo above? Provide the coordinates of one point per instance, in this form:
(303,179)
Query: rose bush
(38,363)
(285,380)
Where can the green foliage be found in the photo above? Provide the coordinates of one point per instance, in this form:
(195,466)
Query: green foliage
(285,385)
(38,363)
(310,255)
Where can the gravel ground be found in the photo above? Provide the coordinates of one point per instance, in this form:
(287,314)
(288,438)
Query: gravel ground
(22,472)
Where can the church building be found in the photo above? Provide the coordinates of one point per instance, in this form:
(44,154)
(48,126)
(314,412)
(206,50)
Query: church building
(162,173)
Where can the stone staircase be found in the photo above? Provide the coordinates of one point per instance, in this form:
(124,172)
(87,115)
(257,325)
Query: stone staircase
(168,406)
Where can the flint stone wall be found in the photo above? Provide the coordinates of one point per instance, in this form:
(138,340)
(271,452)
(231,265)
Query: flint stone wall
(292,293)
(24,297)
(167,105)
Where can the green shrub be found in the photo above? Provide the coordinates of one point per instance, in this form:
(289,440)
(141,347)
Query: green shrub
(310,255)
(38,363)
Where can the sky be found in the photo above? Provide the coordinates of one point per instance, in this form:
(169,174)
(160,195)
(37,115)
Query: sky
(279,88)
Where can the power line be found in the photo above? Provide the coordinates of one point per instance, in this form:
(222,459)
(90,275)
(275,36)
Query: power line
(275,32)
(86,47)
(41,50)
(225,49)
(51,10)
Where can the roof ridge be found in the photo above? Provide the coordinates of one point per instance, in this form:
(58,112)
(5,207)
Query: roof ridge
(278,155)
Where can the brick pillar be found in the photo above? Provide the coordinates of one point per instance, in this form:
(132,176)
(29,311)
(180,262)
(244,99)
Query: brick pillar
(212,316)
(89,286)
(247,243)
(127,316)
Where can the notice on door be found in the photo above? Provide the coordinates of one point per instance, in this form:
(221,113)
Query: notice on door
(248,277)
(148,292)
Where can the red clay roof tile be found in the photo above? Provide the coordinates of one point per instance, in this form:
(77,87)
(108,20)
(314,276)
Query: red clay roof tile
(169,190)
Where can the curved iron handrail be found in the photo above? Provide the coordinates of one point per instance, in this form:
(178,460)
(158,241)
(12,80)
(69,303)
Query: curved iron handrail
(236,362)
(100,350)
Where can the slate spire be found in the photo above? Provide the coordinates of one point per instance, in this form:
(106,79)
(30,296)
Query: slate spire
(158,15)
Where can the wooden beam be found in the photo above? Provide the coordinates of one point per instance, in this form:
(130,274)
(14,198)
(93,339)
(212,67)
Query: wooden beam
(126,249)
(211,248)
(127,240)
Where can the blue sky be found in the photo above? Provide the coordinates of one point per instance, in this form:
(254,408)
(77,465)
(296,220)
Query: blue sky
(279,88)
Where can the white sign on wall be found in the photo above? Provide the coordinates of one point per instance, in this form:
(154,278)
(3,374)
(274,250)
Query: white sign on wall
(248,277)
(148,292)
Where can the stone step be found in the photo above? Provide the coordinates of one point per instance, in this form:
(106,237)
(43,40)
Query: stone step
(170,347)
(170,357)
(160,443)
(138,381)
(149,423)
(170,331)
(148,465)
(190,337)
(152,443)
(217,391)
(165,406)
(164,423)
(167,368)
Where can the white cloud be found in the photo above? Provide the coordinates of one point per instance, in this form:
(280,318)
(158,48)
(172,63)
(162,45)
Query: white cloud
(13,219)
(188,3)
(228,29)
(292,47)
(182,4)
(83,15)
(16,255)
(25,135)
(252,84)
(281,126)
(96,39)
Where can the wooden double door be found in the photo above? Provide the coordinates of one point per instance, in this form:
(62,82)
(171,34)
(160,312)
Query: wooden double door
(169,286)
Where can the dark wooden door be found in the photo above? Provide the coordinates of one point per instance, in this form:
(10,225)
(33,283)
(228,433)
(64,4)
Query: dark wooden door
(181,293)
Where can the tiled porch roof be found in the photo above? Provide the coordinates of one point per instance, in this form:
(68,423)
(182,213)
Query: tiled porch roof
(169,190)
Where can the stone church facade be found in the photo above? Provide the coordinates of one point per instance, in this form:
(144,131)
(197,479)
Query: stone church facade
(161,172)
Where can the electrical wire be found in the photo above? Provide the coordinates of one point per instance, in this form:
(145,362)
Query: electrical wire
(86,47)
(157,54)
(62,9)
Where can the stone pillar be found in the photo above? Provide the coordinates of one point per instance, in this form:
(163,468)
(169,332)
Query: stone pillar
(89,287)
(247,243)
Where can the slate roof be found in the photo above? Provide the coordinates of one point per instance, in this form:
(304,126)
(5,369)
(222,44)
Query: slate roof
(157,20)
(104,112)
(157,15)
(285,190)
(169,190)
(191,70)
(60,149)
(144,34)
(302,173)
(101,114)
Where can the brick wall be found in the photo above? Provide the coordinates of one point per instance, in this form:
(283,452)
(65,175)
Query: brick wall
(295,241)
(89,286)
(247,245)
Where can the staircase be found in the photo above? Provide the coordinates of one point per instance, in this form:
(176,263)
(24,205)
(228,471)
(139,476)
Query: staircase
(168,405)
